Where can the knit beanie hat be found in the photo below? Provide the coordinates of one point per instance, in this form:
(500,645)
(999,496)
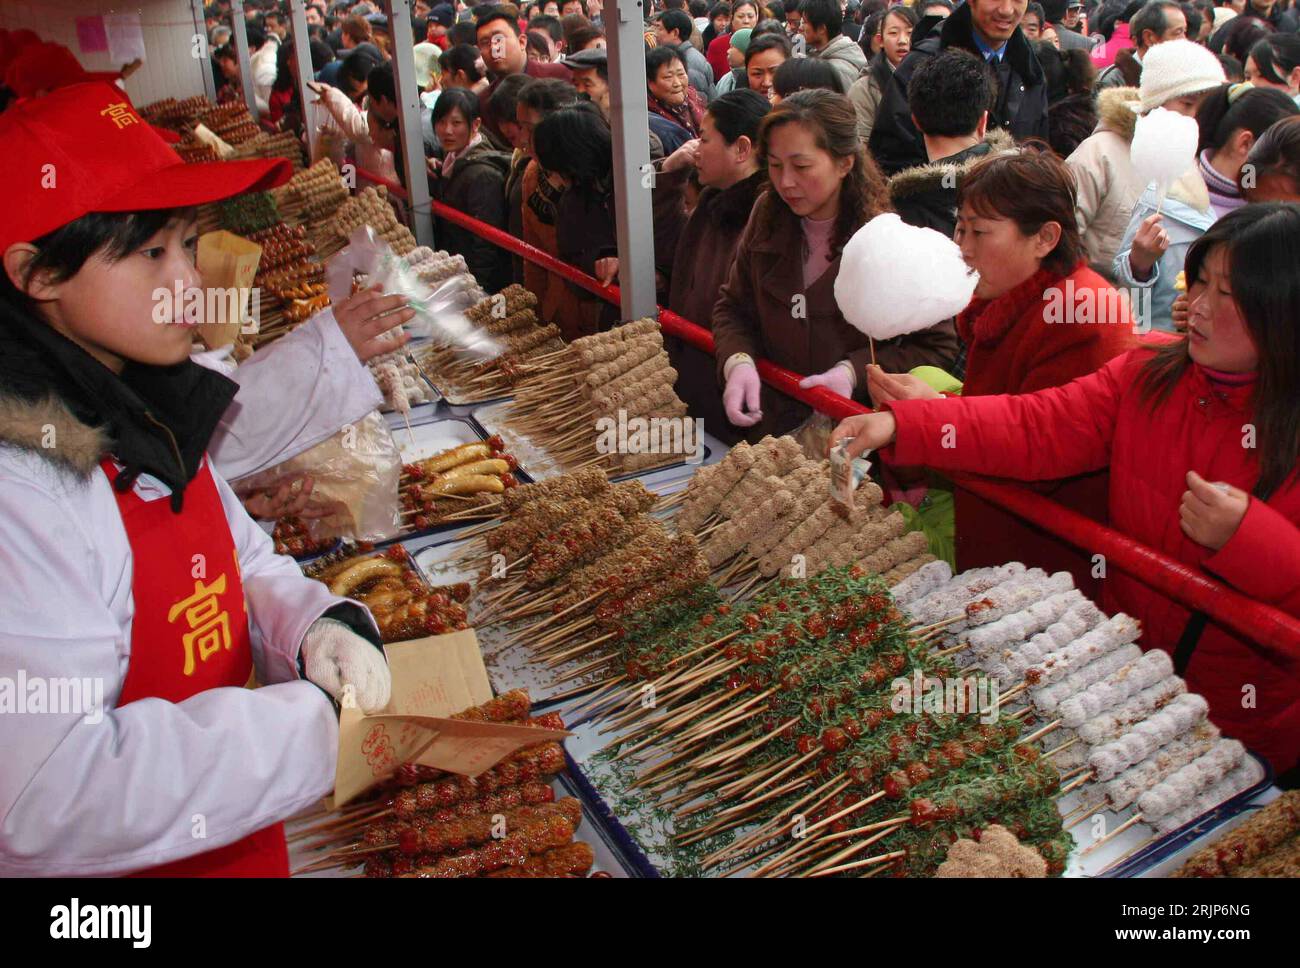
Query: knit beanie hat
(1176,68)
(740,39)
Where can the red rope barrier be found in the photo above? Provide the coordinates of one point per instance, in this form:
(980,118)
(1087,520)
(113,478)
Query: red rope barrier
(1275,631)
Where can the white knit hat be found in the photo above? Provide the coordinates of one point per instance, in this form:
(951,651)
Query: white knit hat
(1175,68)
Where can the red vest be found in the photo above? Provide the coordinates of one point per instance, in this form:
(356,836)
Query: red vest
(190,634)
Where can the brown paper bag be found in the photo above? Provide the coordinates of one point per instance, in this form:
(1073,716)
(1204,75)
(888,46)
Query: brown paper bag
(433,679)
(227,263)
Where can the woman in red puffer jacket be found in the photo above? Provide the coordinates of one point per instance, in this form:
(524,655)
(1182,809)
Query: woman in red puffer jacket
(1201,437)
(1039,318)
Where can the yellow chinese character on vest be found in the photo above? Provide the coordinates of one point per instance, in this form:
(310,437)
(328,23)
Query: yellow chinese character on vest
(121,114)
(208,621)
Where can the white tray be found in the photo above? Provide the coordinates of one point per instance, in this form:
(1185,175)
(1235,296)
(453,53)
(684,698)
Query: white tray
(428,439)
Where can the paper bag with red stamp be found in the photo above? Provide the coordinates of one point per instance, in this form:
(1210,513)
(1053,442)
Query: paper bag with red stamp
(434,679)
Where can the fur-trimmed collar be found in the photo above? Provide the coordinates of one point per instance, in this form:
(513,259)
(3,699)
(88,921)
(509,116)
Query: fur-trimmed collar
(930,176)
(1114,112)
(47,429)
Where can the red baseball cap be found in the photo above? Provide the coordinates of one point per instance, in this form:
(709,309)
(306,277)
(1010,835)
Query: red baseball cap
(44,66)
(84,149)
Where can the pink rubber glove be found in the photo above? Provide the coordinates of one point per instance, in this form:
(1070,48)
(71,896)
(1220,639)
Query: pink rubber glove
(837,379)
(741,397)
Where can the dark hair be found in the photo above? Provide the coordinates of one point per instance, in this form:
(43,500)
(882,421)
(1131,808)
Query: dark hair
(544,21)
(379,82)
(537,40)
(575,141)
(832,120)
(1261,241)
(256,36)
(758,10)
(1194,19)
(699,8)
(1031,187)
(907,13)
(1277,152)
(719,10)
(823,13)
(946,4)
(949,92)
(497,12)
(501,103)
(546,94)
(806,74)
(63,252)
(679,22)
(462,32)
(321,54)
(1276,56)
(357,66)
(775,10)
(454,98)
(1237,107)
(1232,68)
(1238,36)
(225,52)
(580,38)
(769,42)
(658,57)
(738,113)
(1151,17)
(1036,8)
(462,57)
(1067,71)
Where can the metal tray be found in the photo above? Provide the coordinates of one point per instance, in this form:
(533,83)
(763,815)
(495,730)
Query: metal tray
(1170,852)
(594,830)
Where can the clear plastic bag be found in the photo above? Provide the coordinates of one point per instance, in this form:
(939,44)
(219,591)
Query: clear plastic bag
(355,475)
(439,311)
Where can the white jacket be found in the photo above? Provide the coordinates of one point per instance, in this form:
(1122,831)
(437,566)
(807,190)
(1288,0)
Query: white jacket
(1108,186)
(293,394)
(135,789)
(344,118)
(265,68)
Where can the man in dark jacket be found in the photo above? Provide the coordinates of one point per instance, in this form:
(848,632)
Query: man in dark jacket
(989,29)
(950,97)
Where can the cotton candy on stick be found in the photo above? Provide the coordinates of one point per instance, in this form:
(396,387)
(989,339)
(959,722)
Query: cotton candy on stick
(897,278)
(1163,149)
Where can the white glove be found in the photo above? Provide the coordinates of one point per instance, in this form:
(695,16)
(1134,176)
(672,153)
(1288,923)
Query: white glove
(335,656)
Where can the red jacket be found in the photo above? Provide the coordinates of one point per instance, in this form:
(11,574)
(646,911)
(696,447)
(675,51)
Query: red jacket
(1018,343)
(1099,421)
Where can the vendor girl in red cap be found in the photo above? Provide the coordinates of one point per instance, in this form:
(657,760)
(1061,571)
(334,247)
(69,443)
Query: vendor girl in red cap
(139,598)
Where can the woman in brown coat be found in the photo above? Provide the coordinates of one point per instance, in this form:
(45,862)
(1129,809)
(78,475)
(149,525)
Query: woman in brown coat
(779,298)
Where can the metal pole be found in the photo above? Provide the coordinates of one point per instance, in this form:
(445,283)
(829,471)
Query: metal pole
(302,53)
(409,106)
(203,52)
(633,176)
(239,29)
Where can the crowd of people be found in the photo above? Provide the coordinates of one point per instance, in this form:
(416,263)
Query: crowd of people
(775,131)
